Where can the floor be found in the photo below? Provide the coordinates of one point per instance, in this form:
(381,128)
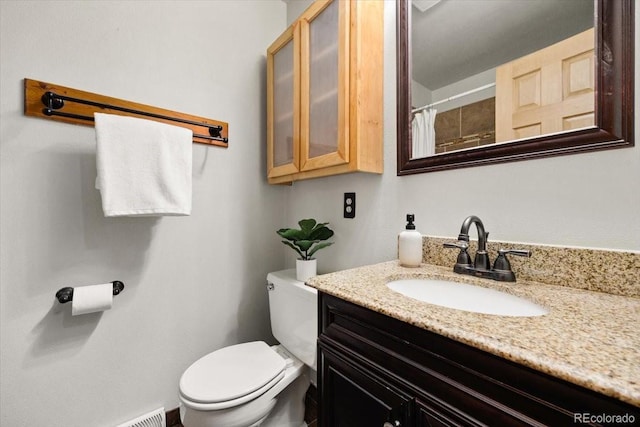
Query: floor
(310,413)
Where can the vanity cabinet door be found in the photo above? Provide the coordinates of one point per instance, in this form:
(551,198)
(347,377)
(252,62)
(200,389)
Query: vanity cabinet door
(283,100)
(353,396)
(428,416)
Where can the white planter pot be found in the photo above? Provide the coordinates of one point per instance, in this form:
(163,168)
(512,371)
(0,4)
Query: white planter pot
(306,269)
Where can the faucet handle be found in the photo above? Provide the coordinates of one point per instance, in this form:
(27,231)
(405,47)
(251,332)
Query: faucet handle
(502,266)
(464,260)
(518,252)
(460,244)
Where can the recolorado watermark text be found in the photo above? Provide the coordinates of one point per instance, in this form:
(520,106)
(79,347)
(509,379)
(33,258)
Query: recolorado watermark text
(586,417)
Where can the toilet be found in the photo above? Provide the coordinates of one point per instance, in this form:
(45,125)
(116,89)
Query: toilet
(255,384)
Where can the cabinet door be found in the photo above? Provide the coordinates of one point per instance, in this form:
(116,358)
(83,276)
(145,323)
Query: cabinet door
(428,415)
(283,99)
(324,74)
(352,396)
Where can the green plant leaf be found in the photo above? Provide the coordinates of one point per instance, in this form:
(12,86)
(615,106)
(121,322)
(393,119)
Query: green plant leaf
(321,233)
(294,248)
(304,245)
(291,234)
(306,225)
(318,247)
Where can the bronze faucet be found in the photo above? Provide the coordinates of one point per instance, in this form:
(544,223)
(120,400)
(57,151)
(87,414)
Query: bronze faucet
(501,270)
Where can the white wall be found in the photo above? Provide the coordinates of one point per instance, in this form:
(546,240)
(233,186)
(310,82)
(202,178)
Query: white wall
(295,9)
(420,95)
(464,85)
(193,284)
(587,200)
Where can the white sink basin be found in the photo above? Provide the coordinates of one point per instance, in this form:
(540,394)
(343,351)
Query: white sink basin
(463,296)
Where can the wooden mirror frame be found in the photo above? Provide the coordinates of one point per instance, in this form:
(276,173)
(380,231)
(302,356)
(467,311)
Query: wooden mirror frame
(614,106)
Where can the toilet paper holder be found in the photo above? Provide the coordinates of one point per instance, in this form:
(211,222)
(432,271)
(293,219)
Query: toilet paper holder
(66,294)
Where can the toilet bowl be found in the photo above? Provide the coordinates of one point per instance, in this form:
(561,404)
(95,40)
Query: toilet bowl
(254,384)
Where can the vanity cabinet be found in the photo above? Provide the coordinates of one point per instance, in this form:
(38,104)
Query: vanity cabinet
(324,93)
(374,370)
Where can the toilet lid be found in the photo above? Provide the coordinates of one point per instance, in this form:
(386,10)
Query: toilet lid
(231,372)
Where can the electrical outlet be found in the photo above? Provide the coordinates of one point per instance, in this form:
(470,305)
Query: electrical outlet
(349,208)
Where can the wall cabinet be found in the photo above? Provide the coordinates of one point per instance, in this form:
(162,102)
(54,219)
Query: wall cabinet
(374,370)
(324,93)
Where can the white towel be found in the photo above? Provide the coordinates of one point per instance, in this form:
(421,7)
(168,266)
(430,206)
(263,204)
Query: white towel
(144,166)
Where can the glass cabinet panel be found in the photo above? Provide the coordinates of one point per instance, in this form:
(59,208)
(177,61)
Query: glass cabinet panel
(282,95)
(324,80)
(283,105)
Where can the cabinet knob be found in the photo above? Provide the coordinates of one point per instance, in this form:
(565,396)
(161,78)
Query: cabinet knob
(391,424)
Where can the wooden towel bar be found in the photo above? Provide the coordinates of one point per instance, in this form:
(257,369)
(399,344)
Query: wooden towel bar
(55,102)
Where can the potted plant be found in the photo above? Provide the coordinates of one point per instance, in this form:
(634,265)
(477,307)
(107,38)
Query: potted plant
(306,241)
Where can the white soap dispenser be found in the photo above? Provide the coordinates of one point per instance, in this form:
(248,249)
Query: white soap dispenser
(410,245)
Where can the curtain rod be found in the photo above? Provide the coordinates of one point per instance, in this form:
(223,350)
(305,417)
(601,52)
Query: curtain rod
(451,98)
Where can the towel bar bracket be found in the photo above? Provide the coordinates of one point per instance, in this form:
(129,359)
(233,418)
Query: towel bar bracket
(52,102)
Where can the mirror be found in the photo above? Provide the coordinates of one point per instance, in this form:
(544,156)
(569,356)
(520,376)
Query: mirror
(608,125)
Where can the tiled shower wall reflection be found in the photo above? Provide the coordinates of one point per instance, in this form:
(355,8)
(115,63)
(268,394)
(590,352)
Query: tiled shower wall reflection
(469,126)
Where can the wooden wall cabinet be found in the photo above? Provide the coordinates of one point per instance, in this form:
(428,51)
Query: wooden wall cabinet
(324,93)
(374,370)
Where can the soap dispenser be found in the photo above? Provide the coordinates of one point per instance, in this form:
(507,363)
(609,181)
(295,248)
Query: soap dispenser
(410,245)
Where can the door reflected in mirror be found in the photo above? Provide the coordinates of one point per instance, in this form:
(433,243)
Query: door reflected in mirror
(519,69)
(488,81)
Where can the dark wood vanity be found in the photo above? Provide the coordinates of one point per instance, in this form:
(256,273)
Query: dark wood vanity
(374,370)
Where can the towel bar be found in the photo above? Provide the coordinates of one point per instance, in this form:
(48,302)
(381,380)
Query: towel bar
(80,107)
(54,102)
(65,295)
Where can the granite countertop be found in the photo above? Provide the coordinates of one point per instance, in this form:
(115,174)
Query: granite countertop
(588,338)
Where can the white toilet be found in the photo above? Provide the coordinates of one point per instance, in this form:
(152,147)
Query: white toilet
(254,384)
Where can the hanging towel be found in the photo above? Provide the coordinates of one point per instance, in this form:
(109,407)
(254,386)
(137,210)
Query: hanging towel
(144,166)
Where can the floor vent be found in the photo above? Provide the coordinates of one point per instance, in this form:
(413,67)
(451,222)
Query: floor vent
(152,419)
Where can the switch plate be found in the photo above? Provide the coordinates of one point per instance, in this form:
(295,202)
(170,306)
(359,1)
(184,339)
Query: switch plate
(349,207)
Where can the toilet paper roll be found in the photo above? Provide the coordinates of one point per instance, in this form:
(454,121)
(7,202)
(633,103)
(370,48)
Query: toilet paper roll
(90,299)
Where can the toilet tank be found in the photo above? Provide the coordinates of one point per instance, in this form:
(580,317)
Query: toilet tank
(293,309)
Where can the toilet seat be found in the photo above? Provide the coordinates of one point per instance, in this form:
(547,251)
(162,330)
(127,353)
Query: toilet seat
(231,376)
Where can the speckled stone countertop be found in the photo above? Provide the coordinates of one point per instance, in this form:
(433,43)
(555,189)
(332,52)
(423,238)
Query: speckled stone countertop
(588,338)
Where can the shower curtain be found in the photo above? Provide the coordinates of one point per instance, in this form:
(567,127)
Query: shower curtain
(423,133)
